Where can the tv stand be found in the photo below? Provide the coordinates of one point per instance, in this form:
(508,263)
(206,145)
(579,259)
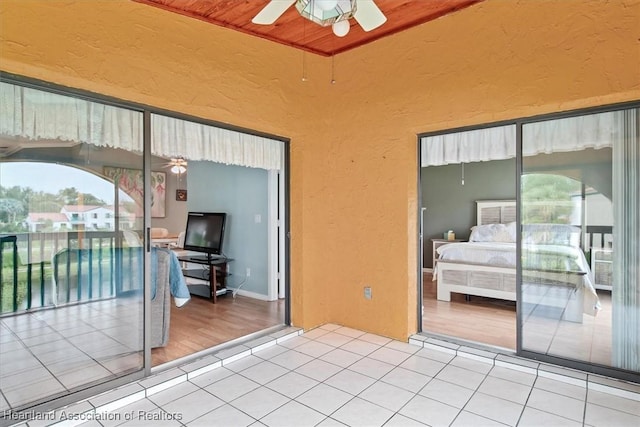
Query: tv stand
(202,258)
(216,275)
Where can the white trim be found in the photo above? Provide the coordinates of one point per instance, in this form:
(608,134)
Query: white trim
(191,375)
(272,235)
(236,357)
(250,294)
(282,279)
(613,390)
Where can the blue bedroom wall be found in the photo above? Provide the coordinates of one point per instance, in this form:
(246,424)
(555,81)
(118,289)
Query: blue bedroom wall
(241,192)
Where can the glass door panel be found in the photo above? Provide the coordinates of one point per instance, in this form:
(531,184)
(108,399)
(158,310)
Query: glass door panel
(71,220)
(579,266)
(468,183)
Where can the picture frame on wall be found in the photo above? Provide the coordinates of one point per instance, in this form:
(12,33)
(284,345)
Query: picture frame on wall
(132,183)
(181,195)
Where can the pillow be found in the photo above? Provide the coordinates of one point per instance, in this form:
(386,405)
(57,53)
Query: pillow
(492,233)
(552,234)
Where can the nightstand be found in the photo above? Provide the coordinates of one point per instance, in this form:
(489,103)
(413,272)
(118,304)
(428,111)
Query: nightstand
(436,243)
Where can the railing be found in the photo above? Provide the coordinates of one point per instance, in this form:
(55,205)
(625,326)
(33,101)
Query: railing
(49,269)
(14,285)
(599,236)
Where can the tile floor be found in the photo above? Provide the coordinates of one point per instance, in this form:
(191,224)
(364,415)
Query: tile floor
(51,352)
(334,376)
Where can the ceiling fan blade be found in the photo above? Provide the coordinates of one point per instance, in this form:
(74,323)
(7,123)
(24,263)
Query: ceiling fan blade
(272,11)
(368,15)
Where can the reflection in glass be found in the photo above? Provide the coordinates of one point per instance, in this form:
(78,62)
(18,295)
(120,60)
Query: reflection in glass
(71,300)
(579,267)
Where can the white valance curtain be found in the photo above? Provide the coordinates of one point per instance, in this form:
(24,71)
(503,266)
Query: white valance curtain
(498,143)
(478,145)
(35,115)
(194,141)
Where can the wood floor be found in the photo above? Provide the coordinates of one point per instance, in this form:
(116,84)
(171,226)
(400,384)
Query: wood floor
(493,322)
(201,324)
(483,320)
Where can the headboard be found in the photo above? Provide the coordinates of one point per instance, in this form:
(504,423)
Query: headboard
(495,211)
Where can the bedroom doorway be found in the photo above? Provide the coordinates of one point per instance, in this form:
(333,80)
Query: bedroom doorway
(454,180)
(568,293)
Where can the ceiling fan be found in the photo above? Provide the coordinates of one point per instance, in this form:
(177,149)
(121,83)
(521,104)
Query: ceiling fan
(177,165)
(326,12)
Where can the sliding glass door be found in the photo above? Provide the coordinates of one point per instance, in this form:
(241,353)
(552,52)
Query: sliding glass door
(572,281)
(580,228)
(71,219)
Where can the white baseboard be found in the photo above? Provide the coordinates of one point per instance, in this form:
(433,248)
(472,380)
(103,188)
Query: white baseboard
(427,270)
(250,294)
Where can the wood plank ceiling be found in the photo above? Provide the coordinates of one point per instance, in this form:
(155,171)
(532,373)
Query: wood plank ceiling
(293,30)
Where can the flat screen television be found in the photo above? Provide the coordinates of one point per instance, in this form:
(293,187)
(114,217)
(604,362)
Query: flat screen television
(205,232)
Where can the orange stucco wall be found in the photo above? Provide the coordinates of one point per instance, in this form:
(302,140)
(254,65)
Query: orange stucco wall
(353,143)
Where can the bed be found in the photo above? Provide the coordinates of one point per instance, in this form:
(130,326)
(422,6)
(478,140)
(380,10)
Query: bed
(555,272)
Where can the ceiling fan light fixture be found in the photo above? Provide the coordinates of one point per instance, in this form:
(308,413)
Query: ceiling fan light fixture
(313,11)
(178,165)
(327,4)
(341,28)
(177,169)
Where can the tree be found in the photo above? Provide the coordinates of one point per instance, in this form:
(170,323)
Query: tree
(44,202)
(547,198)
(71,196)
(90,199)
(10,210)
(68,196)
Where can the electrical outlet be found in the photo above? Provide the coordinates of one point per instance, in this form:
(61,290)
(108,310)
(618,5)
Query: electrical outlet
(367,292)
(248,272)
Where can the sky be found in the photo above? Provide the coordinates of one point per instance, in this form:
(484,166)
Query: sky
(51,178)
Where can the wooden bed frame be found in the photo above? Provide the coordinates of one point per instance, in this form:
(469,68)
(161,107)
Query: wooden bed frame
(559,290)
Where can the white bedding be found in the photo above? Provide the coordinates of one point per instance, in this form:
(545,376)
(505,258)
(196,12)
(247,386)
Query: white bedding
(497,254)
(546,258)
(500,254)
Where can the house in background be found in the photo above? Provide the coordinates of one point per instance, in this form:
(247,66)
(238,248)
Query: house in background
(89,217)
(79,217)
(39,221)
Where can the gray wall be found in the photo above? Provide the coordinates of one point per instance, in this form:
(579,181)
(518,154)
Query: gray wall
(451,205)
(242,193)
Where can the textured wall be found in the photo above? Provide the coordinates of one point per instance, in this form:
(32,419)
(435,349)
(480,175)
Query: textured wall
(353,144)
